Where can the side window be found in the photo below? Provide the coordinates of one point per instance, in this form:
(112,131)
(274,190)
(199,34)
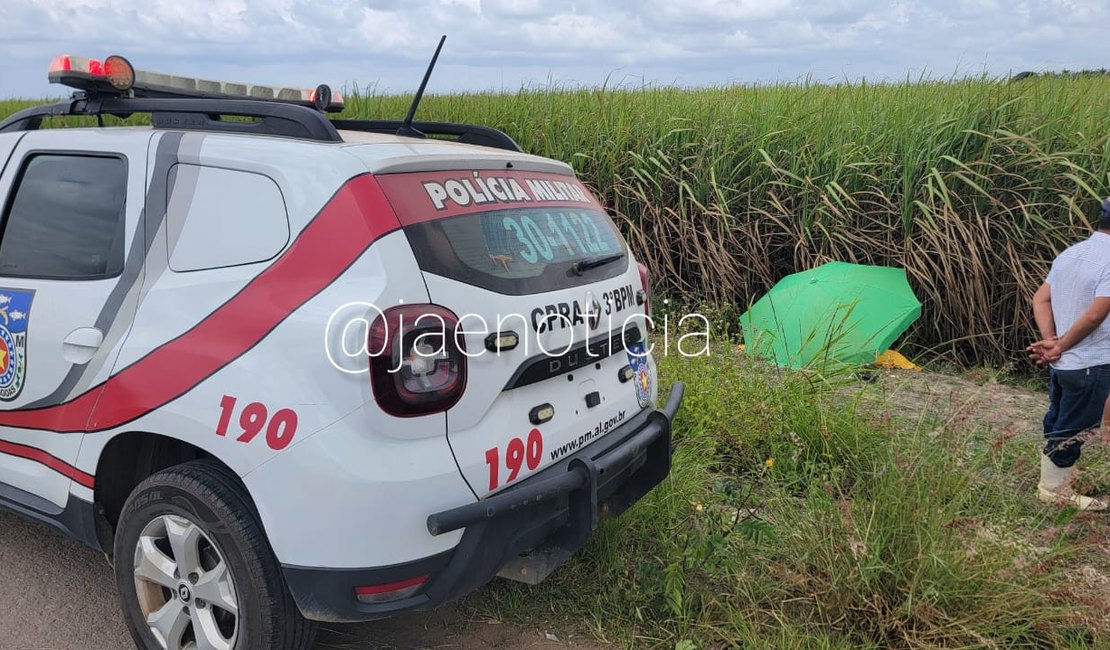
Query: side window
(222,217)
(66,219)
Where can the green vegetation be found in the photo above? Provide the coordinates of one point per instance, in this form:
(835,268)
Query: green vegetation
(971,185)
(1101,72)
(800,515)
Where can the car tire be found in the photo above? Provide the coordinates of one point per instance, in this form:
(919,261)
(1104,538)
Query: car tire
(191,559)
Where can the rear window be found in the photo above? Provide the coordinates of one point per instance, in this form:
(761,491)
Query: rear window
(511,232)
(518,251)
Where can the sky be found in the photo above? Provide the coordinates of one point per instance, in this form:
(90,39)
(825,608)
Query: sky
(503,45)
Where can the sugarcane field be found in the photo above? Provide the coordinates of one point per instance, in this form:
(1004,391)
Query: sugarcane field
(680,326)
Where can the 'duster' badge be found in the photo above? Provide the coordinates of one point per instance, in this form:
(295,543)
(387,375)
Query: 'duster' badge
(15,309)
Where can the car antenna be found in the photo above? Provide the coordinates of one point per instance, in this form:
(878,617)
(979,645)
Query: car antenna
(406,126)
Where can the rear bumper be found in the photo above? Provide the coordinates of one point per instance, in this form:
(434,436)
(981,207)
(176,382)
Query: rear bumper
(523,532)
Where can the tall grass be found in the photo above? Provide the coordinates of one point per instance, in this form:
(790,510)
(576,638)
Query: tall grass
(971,185)
(799,517)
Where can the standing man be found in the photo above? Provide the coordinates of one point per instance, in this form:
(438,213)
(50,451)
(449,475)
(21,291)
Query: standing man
(1075,300)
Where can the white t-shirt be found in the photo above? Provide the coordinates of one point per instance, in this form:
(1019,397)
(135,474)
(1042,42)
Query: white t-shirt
(1078,276)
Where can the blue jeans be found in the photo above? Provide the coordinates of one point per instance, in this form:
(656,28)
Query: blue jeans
(1075,402)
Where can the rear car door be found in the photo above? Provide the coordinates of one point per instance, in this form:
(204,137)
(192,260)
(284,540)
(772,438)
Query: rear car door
(73,200)
(529,257)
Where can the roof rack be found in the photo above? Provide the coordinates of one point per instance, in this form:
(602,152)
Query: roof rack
(273,118)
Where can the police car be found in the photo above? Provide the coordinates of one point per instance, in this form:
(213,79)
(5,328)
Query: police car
(286,368)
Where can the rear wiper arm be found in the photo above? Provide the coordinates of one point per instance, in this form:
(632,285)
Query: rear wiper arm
(594,262)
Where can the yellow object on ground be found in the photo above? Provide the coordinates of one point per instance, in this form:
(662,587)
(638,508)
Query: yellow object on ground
(892,359)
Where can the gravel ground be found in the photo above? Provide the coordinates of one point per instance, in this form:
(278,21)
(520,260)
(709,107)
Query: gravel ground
(58,594)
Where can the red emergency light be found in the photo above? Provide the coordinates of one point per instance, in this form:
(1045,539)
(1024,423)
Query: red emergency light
(115,70)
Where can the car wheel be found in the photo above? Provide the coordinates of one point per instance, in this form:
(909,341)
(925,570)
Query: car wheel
(194,569)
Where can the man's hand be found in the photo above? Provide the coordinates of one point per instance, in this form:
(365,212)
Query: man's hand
(1045,351)
(1087,322)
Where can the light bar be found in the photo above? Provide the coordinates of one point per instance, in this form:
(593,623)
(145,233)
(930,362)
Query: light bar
(115,73)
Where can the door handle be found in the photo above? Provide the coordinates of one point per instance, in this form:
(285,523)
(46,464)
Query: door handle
(81,344)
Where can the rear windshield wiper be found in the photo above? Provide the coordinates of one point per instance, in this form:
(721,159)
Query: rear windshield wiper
(594,262)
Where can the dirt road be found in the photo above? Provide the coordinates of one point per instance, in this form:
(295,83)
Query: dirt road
(58,594)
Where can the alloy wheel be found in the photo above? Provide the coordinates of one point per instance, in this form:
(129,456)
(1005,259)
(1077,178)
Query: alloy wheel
(185,589)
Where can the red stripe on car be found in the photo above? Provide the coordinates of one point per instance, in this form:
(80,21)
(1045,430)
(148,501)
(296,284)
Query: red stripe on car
(54,463)
(348,224)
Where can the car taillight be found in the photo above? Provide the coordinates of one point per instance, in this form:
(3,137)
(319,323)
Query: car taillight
(417,365)
(644,281)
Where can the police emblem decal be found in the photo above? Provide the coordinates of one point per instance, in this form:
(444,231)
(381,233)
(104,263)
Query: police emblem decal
(15,310)
(637,358)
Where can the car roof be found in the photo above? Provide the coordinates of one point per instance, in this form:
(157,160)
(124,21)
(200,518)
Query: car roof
(387,154)
(384,153)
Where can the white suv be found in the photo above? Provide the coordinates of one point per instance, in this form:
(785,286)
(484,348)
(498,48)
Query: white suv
(289,369)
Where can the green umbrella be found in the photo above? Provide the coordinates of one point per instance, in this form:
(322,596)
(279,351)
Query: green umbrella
(838,312)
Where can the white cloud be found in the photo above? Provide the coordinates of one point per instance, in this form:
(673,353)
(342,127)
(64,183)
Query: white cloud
(473,6)
(1041,35)
(575,32)
(506,43)
(977,8)
(727,11)
(739,38)
(513,8)
(384,30)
